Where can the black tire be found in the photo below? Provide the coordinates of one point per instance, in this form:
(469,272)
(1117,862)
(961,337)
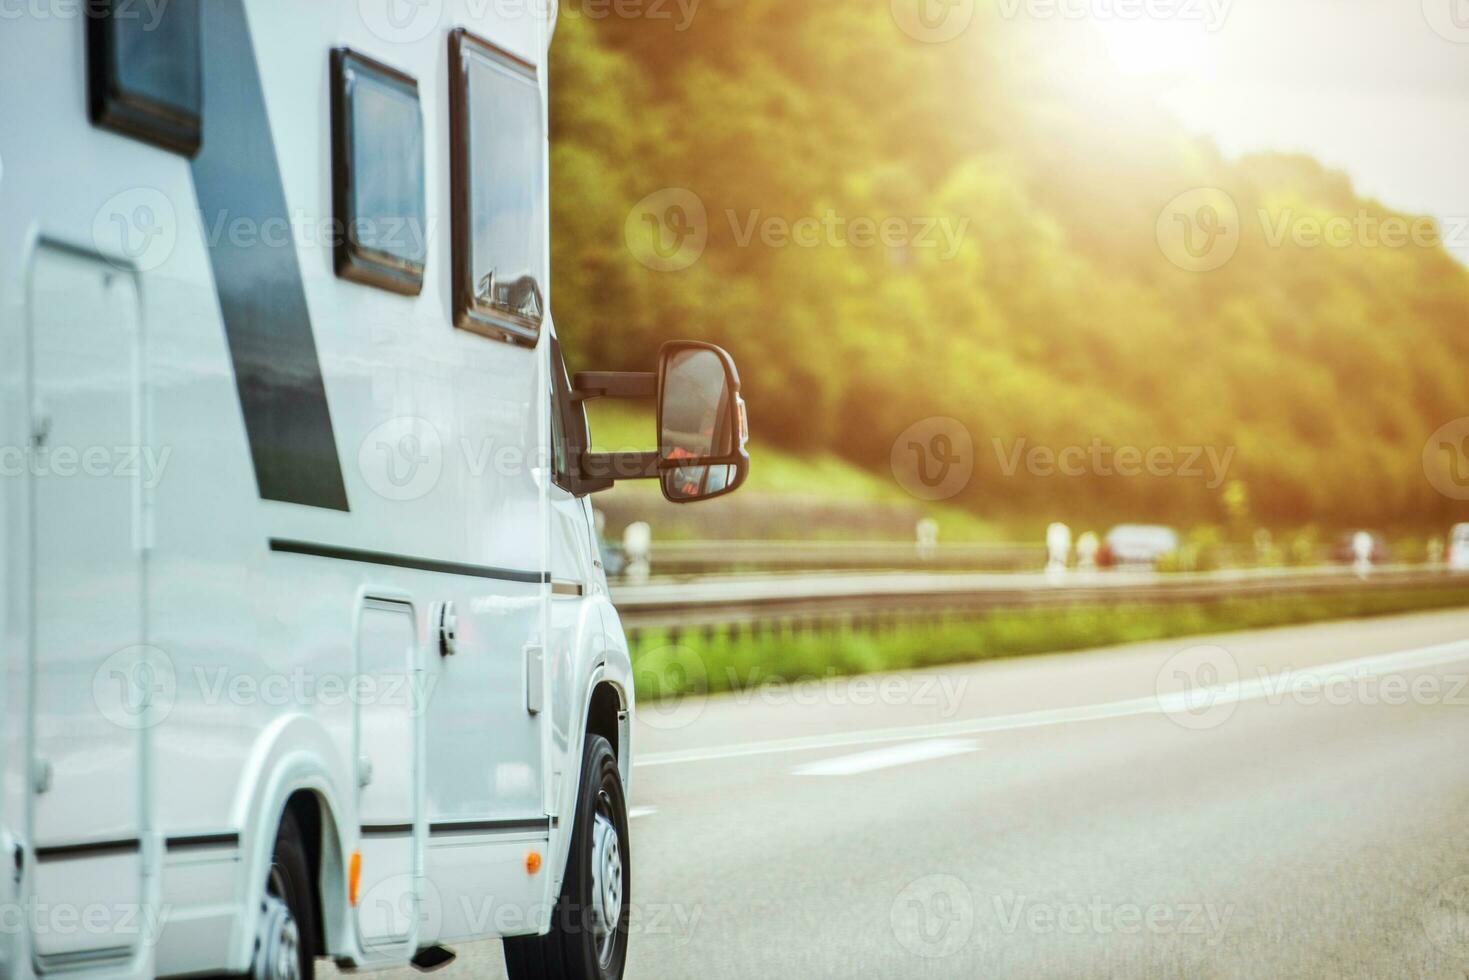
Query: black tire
(578,948)
(289,880)
(290,876)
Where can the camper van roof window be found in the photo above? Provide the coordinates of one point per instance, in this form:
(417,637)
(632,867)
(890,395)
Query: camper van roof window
(144,73)
(498,156)
(378,175)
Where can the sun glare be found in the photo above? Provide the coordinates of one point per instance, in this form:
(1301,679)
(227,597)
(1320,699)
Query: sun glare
(1167,50)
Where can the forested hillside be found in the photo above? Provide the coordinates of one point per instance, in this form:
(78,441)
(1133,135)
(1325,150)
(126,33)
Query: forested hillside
(1027,293)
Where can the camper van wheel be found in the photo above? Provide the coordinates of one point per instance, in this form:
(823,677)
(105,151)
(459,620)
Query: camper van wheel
(283,945)
(588,938)
(286,921)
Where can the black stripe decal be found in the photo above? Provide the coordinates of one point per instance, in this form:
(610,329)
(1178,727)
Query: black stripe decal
(242,205)
(456,828)
(188,842)
(407,561)
(64,852)
(387,830)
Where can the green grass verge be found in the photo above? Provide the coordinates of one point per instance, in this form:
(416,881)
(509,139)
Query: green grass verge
(733,661)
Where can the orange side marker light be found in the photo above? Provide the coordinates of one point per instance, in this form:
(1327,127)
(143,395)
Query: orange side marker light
(532,862)
(354,877)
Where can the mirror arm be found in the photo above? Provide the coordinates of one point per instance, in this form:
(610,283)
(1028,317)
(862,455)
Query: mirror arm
(603,469)
(614,384)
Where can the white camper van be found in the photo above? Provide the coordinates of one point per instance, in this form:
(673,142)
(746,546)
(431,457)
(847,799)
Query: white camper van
(307,646)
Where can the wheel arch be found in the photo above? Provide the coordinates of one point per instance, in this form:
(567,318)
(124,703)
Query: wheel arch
(292,773)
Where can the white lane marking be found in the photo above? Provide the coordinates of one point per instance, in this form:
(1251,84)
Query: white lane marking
(641,811)
(894,755)
(1238,691)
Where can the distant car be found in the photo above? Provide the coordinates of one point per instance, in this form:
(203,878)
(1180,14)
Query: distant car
(1137,544)
(1459,548)
(614,559)
(1345,549)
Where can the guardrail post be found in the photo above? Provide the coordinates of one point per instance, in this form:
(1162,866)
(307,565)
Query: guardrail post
(1362,546)
(1087,547)
(927,533)
(1058,547)
(637,548)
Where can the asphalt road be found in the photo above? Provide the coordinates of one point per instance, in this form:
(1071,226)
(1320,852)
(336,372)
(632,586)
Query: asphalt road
(1241,806)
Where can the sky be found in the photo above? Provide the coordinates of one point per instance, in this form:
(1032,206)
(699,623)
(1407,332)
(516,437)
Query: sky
(1376,88)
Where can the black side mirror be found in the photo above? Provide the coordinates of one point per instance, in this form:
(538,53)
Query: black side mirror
(703,427)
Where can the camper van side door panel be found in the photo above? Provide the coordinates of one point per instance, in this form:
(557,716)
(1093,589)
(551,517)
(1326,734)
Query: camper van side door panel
(95,684)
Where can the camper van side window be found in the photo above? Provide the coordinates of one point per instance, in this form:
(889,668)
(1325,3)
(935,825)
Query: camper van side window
(498,163)
(144,73)
(377,175)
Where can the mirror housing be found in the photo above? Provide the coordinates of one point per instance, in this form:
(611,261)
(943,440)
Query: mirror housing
(703,425)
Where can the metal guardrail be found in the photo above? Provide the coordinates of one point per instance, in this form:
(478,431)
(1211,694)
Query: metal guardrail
(874,598)
(705,556)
